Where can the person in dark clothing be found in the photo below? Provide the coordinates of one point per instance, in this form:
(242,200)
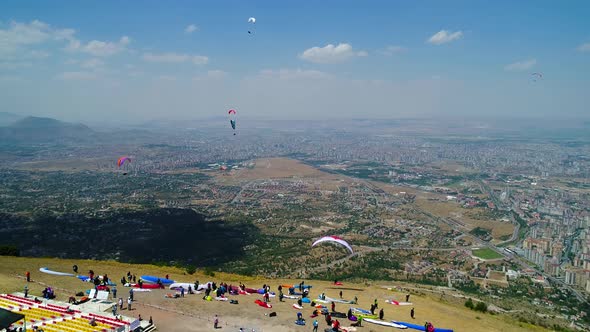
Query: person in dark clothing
(28,275)
(333,306)
(408,298)
(299,302)
(381,314)
(372,309)
(340,294)
(412,313)
(376,305)
(328,319)
(75,268)
(280,288)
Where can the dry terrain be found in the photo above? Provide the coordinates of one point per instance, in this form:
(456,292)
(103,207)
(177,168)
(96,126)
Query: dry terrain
(193,314)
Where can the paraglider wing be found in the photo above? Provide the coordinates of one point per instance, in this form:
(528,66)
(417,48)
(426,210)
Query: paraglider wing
(252,20)
(334,239)
(231,112)
(536,76)
(122,161)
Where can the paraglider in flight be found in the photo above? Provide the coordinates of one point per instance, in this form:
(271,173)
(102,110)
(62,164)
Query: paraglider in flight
(232,119)
(333,239)
(537,76)
(122,161)
(251,20)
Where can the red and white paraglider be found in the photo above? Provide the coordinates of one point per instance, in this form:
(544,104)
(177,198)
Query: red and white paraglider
(333,239)
(232,119)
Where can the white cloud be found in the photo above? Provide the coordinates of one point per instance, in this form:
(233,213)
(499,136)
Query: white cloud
(392,49)
(19,36)
(100,48)
(521,65)
(331,53)
(92,63)
(445,36)
(176,58)
(34,54)
(217,74)
(76,76)
(584,47)
(191,28)
(291,74)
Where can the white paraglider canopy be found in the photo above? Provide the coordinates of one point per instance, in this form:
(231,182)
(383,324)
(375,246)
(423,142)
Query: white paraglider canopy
(334,239)
(252,20)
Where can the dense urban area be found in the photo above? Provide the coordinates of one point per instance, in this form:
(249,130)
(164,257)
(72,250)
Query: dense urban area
(501,213)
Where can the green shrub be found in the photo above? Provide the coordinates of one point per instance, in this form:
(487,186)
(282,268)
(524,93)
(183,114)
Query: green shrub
(8,250)
(191,269)
(480,306)
(209,272)
(469,304)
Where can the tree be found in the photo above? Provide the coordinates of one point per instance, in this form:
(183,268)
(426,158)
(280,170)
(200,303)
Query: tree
(469,304)
(481,306)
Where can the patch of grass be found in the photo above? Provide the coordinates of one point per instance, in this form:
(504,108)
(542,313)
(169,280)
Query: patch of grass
(486,253)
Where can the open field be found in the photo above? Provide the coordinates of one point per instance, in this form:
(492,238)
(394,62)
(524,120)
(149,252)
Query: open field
(285,169)
(275,168)
(486,253)
(193,314)
(466,216)
(69,165)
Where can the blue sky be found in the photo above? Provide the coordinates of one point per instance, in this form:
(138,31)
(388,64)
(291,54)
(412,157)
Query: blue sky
(383,59)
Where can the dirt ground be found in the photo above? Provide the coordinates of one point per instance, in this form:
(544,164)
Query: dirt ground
(192,313)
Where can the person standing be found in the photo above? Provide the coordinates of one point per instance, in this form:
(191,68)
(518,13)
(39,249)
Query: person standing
(407,297)
(129,303)
(28,275)
(333,306)
(376,305)
(120,303)
(115,310)
(26,291)
(315,325)
(131,294)
(340,294)
(181,291)
(381,313)
(215,322)
(412,313)
(114,290)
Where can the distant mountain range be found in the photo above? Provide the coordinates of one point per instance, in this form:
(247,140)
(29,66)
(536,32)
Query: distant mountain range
(43,130)
(6,119)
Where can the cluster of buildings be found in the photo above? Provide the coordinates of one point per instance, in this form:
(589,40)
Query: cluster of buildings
(558,240)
